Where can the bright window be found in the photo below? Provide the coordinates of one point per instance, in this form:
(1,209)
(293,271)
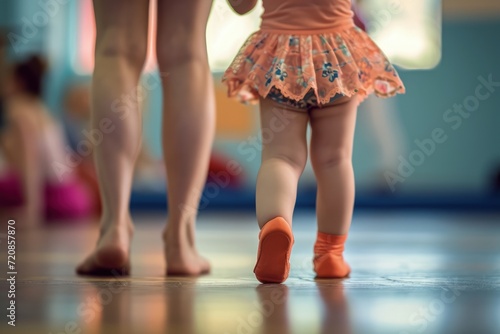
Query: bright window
(409,32)
(227,31)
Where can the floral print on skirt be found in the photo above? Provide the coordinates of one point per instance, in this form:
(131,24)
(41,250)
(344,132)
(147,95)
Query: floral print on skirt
(346,63)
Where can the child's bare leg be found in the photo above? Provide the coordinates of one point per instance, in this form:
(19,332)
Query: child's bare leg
(188,125)
(284,156)
(331,151)
(121,43)
(331,158)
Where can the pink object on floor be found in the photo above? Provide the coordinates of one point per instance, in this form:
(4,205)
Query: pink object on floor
(62,201)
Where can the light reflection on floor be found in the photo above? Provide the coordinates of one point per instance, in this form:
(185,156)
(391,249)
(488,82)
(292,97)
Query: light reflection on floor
(412,273)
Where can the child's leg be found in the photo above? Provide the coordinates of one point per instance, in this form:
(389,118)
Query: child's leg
(188,125)
(121,43)
(331,152)
(331,158)
(284,156)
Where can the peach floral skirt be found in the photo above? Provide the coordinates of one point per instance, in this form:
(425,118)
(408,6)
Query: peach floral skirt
(345,62)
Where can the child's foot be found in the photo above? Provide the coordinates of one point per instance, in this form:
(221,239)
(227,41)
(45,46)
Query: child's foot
(328,256)
(273,256)
(181,255)
(111,256)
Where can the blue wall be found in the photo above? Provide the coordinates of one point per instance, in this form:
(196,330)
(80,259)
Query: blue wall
(466,160)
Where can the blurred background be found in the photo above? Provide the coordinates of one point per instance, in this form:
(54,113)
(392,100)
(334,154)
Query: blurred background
(438,146)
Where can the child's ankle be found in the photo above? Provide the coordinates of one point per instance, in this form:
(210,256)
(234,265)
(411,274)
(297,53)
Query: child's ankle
(329,243)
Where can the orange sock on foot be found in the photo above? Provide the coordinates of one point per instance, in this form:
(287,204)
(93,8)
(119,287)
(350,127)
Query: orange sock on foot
(273,256)
(328,259)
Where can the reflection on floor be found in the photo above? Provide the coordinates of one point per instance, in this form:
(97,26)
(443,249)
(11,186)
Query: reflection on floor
(412,273)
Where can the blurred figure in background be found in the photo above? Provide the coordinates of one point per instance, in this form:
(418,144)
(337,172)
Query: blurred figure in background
(76,119)
(3,74)
(382,118)
(32,141)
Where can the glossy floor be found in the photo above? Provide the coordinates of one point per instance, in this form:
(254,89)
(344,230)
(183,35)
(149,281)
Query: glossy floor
(412,273)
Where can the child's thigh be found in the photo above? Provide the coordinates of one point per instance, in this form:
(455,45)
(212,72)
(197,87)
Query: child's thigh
(283,129)
(333,125)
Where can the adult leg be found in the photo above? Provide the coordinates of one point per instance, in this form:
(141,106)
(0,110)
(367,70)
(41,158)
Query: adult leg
(188,125)
(120,52)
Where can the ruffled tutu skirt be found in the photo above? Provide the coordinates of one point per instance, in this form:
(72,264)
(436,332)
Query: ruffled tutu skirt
(345,62)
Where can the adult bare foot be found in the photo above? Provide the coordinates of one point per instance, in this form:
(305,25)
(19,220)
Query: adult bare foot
(204,264)
(181,255)
(111,256)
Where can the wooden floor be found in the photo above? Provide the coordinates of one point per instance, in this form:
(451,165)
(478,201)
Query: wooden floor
(412,273)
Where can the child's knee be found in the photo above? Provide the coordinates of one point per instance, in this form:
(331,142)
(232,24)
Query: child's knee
(330,157)
(297,160)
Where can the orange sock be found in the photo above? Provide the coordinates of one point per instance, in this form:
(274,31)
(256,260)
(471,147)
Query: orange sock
(273,256)
(328,259)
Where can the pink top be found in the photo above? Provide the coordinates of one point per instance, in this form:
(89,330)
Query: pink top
(303,16)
